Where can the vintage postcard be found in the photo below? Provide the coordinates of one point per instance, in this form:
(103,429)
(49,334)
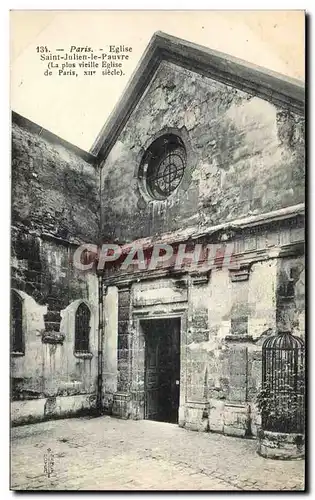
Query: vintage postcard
(157,250)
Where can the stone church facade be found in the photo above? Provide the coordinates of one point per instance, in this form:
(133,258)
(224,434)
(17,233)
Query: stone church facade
(202,149)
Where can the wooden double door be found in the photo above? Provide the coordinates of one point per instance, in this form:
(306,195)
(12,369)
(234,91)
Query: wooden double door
(162,368)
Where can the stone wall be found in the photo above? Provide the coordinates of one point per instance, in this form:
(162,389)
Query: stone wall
(291,295)
(226,314)
(49,368)
(244,156)
(54,190)
(54,207)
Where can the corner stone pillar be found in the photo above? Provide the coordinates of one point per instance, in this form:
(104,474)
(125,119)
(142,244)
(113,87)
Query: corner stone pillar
(262,298)
(122,398)
(194,408)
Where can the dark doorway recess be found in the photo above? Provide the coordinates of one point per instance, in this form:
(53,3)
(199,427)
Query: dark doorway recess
(162,368)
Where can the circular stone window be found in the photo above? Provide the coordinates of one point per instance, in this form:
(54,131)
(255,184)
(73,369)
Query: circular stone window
(162,166)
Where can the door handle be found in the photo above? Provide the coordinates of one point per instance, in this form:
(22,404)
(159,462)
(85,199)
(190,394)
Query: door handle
(177,382)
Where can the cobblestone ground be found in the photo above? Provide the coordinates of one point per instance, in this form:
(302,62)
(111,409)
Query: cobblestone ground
(110,454)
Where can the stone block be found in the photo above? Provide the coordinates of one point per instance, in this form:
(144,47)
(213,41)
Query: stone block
(122,355)
(216,415)
(29,411)
(195,417)
(107,403)
(181,416)
(123,341)
(123,313)
(123,325)
(281,446)
(200,319)
(297,234)
(236,420)
(72,405)
(255,420)
(123,299)
(123,375)
(52,407)
(35,410)
(137,405)
(164,294)
(200,335)
(122,405)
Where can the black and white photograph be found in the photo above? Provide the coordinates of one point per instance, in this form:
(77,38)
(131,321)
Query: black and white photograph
(157,255)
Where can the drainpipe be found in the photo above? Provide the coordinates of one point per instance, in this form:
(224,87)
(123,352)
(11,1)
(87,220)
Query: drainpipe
(100,343)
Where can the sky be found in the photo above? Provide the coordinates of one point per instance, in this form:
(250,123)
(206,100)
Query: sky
(77,108)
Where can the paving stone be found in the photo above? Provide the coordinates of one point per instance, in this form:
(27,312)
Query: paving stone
(142,455)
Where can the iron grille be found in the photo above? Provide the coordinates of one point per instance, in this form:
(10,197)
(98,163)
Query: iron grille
(163,166)
(283,378)
(17,344)
(167,176)
(82,328)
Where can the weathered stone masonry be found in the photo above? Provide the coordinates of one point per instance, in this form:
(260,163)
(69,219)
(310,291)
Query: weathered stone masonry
(243,184)
(245,156)
(220,362)
(54,207)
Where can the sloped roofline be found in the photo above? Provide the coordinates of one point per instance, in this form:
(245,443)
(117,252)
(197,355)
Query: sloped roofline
(279,89)
(33,127)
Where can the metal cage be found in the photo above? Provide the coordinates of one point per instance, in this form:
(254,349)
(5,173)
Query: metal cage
(283,383)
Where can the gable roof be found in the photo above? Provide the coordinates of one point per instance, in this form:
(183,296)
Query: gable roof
(274,87)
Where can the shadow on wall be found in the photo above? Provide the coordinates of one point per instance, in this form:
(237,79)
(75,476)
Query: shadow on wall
(52,373)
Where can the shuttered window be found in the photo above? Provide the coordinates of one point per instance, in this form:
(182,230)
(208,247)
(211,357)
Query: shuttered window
(17,337)
(82,328)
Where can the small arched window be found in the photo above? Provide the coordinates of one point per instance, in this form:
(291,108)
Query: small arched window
(82,328)
(17,336)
